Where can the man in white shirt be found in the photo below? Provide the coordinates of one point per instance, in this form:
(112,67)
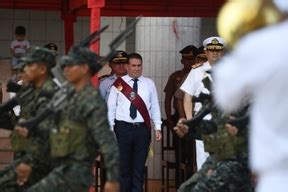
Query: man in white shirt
(256,70)
(130,123)
(193,86)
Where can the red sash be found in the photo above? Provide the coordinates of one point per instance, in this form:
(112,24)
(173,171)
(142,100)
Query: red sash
(134,98)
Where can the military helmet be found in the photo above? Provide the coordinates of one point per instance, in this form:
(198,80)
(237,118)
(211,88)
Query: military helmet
(81,55)
(40,54)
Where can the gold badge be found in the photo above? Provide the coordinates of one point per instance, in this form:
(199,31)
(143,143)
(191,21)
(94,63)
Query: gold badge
(214,41)
(120,87)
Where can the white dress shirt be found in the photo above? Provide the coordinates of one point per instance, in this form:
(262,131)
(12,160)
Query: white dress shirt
(118,104)
(258,69)
(193,84)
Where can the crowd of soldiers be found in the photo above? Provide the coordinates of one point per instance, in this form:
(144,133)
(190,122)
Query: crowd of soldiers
(57,153)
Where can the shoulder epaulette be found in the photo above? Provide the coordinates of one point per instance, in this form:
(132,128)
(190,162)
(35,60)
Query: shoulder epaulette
(103,77)
(197,65)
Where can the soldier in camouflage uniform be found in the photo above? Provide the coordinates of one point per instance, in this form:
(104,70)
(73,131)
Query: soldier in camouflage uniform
(231,172)
(37,69)
(82,129)
(226,169)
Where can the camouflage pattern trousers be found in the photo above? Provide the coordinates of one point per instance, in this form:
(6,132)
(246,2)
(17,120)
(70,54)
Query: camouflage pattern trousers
(228,176)
(187,186)
(8,181)
(72,177)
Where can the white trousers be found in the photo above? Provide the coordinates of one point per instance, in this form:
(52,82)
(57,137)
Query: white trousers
(201,155)
(276,180)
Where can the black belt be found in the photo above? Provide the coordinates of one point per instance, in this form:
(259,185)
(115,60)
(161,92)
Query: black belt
(136,124)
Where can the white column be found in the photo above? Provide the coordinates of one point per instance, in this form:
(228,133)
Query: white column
(159,41)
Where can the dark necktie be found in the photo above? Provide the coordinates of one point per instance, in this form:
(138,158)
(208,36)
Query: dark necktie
(133,110)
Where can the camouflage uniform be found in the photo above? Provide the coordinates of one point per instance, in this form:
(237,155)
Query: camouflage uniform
(188,185)
(33,146)
(82,129)
(231,173)
(75,142)
(230,162)
(30,150)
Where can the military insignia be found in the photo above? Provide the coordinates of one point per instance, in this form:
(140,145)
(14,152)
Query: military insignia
(132,95)
(120,87)
(214,41)
(119,54)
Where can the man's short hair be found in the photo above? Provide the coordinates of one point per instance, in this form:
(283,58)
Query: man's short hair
(134,56)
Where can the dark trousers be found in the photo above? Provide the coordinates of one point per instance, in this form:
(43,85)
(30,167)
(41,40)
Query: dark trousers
(133,141)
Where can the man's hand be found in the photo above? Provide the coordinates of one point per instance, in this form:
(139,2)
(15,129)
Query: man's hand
(181,129)
(232,130)
(23,172)
(23,131)
(210,172)
(158,135)
(112,186)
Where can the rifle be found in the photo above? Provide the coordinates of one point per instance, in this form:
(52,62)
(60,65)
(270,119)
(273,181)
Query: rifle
(66,90)
(13,87)
(20,96)
(198,117)
(240,122)
(119,40)
(56,104)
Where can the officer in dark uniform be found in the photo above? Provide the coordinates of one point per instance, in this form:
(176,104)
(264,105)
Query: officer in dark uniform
(188,59)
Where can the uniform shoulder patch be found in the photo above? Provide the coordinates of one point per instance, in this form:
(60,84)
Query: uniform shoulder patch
(103,77)
(197,65)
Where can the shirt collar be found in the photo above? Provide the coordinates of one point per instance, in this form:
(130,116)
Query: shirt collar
(128,78)
(207,66)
